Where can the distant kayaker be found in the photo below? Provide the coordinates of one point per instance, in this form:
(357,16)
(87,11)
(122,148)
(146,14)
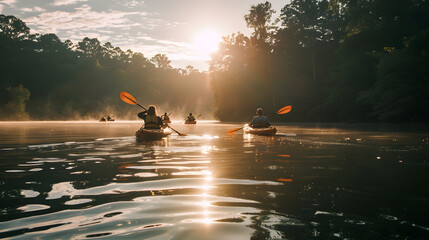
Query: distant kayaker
(260,121)
(165,117)
(190,118)
(151,120)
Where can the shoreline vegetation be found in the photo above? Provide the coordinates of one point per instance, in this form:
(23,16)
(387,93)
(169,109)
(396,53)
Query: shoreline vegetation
(332,60)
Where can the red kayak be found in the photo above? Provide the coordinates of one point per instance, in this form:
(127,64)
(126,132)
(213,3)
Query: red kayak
(191,122)
(269,131)
(151,134)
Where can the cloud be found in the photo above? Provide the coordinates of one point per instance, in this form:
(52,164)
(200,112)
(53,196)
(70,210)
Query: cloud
(8,2)
(34,9)
(133,3)
(66,2)
(174,43)
(82,19)
(77,37)
(4,3)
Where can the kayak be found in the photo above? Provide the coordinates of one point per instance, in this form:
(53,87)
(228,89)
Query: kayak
(191,122)
(269,131)
(151,134)
(166,121)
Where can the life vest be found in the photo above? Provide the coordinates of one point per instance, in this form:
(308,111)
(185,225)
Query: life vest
(151,122)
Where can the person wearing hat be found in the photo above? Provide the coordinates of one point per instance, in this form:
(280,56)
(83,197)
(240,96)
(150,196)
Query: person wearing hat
(259,121)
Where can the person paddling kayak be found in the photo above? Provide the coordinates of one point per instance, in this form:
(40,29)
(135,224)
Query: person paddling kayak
(190,118)
(165,117)
(151,120)
(260,121)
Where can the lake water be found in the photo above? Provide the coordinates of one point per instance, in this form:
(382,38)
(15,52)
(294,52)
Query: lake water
(90,180)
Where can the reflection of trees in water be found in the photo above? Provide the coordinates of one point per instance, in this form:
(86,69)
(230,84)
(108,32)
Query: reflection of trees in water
(260,231)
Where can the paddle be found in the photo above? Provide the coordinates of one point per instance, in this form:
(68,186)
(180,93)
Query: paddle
(180,134)
(195,118)
(128,98)
(282,110)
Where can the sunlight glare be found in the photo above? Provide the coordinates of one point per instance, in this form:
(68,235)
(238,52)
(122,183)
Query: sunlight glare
(207,41)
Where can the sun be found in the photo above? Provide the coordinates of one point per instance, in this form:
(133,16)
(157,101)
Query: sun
(207,41)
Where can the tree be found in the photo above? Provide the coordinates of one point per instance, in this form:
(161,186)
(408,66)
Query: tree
(51,43)
(90,47)
(259,19)
(13,28)
(161,61)
(14,107)
(401,92)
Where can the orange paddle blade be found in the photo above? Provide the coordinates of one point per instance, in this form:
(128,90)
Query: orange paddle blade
(284,179)
(284,110)
(128,98)
(233,130)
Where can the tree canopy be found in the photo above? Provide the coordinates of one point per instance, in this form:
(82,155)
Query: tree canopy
(83,80)
(332,60)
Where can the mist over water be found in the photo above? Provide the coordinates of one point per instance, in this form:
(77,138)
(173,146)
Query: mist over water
(85,179)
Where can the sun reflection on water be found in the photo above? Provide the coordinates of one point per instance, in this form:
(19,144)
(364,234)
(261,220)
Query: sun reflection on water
(204,202)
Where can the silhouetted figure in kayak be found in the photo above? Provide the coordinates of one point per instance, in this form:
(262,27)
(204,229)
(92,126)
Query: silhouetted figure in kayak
(102,119)
(165,117)
(151,120)
(259,121)
(190,118)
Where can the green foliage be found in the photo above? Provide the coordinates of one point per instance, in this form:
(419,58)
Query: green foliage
(259,19)
(12,105)
(402,87)
(332,60)
(161,61)
(83,80)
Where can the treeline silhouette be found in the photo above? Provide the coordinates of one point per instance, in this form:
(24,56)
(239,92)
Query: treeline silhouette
(332,60)
(44,78)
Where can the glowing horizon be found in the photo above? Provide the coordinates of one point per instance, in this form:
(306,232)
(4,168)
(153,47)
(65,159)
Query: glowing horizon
(186,31)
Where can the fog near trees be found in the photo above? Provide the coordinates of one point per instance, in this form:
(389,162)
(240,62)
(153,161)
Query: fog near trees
(83,81)
(332,60)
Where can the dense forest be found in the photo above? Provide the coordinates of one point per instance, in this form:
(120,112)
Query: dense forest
(332,60)
(44,78)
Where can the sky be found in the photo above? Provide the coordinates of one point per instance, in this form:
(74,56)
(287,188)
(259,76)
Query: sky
(185,30)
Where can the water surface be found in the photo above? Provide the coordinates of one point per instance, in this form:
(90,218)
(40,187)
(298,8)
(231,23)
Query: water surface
(90,180)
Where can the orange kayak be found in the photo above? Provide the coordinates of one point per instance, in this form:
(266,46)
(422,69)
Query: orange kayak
(191,122)
(151,134)
(166,121)
(269,131)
